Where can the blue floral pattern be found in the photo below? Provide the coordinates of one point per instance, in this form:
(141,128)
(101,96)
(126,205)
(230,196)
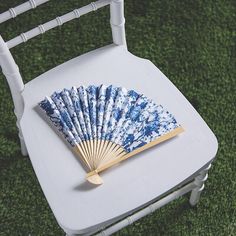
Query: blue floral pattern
(65,94)
(101,109)
(92,92)
(55,117)
(109,107)
(78,110)
(122,116)
(57,99)
(85,109)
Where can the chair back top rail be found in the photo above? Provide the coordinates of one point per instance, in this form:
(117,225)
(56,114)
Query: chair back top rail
(14,12)
(58,21)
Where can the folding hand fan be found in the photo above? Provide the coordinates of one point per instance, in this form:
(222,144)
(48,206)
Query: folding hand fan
(106,124)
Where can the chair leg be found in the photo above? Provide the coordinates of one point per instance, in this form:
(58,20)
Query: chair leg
(24,151)
(199,182)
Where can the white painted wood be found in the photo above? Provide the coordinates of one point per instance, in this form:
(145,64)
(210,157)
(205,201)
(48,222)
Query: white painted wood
(58,21)
(147,210)
(12,74)
(128,186)
(13,12)
(118,22)
(199,182)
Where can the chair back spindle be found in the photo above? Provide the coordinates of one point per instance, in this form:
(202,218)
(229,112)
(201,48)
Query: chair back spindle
(14,12)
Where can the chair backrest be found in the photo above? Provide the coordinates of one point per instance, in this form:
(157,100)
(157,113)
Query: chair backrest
(8,65)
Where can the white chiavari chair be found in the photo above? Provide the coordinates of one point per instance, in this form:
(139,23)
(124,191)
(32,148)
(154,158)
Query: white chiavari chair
(134,189)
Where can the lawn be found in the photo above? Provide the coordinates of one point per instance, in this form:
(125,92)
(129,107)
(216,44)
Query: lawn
(193,43)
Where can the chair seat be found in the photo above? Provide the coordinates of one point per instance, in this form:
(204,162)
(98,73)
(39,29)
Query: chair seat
(79,206)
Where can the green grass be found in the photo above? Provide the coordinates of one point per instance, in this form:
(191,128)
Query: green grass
(193,43)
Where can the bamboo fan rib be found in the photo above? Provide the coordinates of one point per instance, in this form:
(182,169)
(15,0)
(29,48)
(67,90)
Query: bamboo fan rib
(106,124)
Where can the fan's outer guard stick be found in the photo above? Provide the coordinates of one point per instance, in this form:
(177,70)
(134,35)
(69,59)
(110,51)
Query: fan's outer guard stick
(163,138)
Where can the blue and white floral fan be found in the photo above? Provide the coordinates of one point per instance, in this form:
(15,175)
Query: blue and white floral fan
(106,124)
